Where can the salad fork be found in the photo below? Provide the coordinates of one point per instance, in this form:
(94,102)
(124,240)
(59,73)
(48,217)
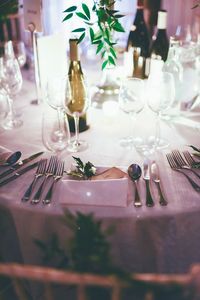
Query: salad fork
(182,163)
(175,167)
(49,172)
(39,172)
(57,175)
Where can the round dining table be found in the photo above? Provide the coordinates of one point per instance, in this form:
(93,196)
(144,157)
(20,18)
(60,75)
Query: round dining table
(161,239)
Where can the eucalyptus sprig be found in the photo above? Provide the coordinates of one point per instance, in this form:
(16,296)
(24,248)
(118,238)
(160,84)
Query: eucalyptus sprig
(196,5)
(197,154)
(82,171)
(107,20)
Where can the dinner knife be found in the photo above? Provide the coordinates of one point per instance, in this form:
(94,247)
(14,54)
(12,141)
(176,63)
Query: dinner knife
(146,177)
(19,173)
(19,164)
(156,178)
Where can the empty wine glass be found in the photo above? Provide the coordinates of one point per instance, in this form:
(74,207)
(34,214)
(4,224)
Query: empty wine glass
(11,82)
(20,52)
(55,98)
(131,101)
(160,95)
(77,101)
(55,131)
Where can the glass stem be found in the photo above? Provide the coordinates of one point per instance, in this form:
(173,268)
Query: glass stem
(157,136)
(132,118)
(11,109)
(76,122)
(59,114)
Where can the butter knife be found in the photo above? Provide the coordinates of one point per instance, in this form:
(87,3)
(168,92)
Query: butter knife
(19,173)
(156,178)
(19,164)
(146,177)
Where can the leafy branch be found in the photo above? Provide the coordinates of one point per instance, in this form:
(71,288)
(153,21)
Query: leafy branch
(107,20)
(196,5)
(196,154)
(83,171)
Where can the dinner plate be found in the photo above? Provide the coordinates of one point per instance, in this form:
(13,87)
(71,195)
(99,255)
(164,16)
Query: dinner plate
(109,192)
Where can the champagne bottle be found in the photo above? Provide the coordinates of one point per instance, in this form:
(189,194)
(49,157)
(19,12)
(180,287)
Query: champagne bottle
(138,42)
(160,46)
(75,73)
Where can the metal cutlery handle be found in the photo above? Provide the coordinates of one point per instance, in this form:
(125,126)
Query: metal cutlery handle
(29,190)
(194,184)
(38,194)
(149,200)
(137,201)
(48,196)
(162,200)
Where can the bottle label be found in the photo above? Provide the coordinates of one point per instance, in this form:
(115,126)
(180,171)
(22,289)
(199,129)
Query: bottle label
(162,20)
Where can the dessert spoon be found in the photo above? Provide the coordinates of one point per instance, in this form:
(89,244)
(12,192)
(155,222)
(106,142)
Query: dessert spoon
(10,160)
(135,172)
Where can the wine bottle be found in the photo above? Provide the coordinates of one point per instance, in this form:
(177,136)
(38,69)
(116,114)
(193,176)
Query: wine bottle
(75,73)
(160,46)
(138,42)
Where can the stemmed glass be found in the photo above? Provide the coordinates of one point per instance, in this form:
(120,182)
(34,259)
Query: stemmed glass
(20,52)
(160,94)
(131,101)
(11,82)
(77,101)
(55,98)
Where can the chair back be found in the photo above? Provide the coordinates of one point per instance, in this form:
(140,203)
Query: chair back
(145,286)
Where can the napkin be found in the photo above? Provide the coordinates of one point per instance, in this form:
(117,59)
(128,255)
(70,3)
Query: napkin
(6,153)
(110,188)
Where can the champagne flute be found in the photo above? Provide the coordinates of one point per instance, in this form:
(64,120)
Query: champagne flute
(11,81)
(77,101)
(160,95)
(131,101)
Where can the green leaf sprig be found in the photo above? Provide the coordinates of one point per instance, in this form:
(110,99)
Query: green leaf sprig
(82,171)
(107,20)
(196,154)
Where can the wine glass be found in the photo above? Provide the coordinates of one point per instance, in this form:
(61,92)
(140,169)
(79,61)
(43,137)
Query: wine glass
(55,99)
(20,53)
(55,131)
(77,101)
(131,101)
(160,95)
(11,82)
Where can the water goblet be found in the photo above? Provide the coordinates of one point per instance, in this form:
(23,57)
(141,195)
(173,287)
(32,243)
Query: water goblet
(131,101)
(160,94)
(11,82)
(77,102)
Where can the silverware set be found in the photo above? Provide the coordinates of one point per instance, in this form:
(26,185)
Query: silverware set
(184,164)
(54,169)
(150,173)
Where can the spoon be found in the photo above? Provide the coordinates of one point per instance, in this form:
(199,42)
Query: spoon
(10,160)
(134,172)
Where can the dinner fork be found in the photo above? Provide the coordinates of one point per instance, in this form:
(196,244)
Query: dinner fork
(39,172)
(49,172)
(182,163)
(175,167)
(190,160)
(57,175)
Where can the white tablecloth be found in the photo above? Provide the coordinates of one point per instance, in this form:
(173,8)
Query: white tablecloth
(156,239)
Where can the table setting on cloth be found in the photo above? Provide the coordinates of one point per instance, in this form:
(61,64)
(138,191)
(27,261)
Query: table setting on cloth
(39,188)
(171,231)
